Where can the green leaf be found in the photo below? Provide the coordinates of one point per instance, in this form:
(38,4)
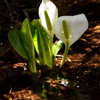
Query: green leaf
(44,91)
(23,44)
(16,42)
(56,47)
(41,43)
(28,44)
(37,42)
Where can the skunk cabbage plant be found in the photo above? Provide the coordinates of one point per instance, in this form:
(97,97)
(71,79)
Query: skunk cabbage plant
(39,34)
(69,29)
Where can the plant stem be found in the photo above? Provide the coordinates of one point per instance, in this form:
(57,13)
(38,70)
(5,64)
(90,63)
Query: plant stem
(37,88)
(32,66)
(51,44)
(65,52)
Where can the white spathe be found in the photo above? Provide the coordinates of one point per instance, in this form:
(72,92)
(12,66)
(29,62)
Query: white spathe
(47,5)
(77,25)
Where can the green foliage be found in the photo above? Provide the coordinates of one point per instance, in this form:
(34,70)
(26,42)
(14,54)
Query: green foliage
(41,42)
(30,36)
(56,47)
(23,43)
(44,91)
(16,41)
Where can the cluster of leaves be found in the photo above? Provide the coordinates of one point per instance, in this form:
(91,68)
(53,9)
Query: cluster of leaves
(32,36)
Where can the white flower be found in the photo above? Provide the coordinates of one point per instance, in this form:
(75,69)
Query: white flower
(52,11)
(77,25)
(66,28)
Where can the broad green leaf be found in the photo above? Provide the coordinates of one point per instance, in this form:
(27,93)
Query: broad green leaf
(23,44)
(42,43)
(36,41)
(16,42)
(28,44)
(56,47)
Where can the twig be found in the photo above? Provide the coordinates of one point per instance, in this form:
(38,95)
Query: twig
(9,10)
(16,3)
(29,10)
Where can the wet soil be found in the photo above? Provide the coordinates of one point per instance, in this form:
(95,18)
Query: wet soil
(83,72)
